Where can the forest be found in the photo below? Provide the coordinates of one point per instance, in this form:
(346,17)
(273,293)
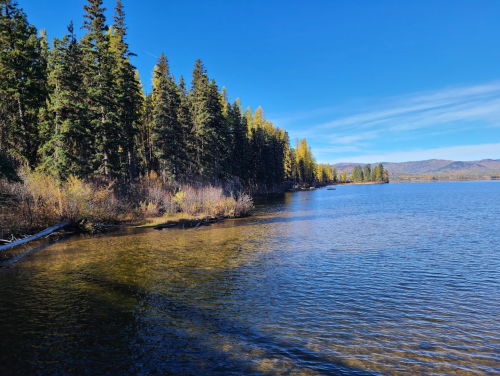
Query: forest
(74,117)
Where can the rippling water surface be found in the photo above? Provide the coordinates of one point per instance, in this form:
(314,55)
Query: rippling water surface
(397,279)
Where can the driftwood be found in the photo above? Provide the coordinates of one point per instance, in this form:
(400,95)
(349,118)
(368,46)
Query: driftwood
(19,257)
(36,236)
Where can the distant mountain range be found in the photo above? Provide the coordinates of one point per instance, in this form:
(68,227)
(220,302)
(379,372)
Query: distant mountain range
(434,168)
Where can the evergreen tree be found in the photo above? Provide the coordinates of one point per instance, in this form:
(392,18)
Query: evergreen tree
(219,128)
(288,158)
(144,143)
(385,176)
(334,174)
(200,116)
(379,172)
(187,154)
(240,152)
(22,77)
(68,140)
(80,107)
(357,174)
(166,130)
(367,172)
(7,170)
(129,96)
(101,90)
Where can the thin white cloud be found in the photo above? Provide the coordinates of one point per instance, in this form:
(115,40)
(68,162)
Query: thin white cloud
(338,139)
(338,149)
(456,153)
(479,104)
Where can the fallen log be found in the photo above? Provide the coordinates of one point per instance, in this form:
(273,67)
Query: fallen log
(36,236)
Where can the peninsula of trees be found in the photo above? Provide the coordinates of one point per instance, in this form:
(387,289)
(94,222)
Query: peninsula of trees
(80,138)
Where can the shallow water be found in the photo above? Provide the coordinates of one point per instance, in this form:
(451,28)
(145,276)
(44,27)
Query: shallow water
(395,279)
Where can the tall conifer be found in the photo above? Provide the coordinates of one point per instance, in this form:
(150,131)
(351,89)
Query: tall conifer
(22,77)
(68,138)
(167,131)
(203,133)
(101,90)
(129,96)
(367,172)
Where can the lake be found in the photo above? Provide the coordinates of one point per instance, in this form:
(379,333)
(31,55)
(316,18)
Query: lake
(393,279)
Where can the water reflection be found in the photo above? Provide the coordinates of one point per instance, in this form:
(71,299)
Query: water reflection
(387,279)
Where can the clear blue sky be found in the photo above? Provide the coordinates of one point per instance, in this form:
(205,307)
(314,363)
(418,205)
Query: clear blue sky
(363,80)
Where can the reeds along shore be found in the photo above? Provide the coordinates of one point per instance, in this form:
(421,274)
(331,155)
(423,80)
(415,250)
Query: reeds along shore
(40,201)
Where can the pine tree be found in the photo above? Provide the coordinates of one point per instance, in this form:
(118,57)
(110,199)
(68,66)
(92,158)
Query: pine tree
(373,176)
(379,172)
(187,153)
(101,90)
(22,77)
(385,176)
(219,128)
(7,170)
(143,139)
(203,133)
(334,174)
(166,130)
(68,140)
(288,159)
(128,88)
(240,153)
(367,172)
(357,174)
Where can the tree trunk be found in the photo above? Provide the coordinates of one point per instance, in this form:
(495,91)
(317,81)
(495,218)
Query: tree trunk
(24,129)
(131,159)
(105,146)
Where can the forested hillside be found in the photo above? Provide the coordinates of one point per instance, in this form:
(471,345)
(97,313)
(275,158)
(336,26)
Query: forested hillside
(437,169)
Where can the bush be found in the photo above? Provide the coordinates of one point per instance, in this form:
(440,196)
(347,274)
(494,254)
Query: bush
(40,200)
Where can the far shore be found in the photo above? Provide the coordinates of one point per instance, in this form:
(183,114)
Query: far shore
(362,183)
(414,181)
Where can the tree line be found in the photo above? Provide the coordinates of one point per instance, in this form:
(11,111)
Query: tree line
(76,107)
(358,175)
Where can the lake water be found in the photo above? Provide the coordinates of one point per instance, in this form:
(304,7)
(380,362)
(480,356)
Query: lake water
(395,279)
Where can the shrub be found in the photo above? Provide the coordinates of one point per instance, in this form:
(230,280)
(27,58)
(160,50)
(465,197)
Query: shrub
(40,200)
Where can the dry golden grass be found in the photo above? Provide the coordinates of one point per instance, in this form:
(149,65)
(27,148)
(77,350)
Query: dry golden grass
(40,201)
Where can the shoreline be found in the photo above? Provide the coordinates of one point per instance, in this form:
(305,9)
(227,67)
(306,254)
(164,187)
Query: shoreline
(14,254)
(363,183)
(441,181)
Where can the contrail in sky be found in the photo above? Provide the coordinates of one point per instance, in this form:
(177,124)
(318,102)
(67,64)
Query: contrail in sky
(151,54)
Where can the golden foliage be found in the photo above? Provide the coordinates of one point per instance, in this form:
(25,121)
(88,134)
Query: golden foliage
(40,200)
